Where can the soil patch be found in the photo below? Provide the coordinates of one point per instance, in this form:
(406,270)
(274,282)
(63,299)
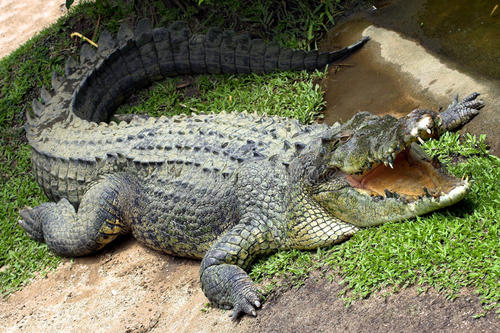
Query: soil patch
(127,288)
(21,20)
(316,307)
(130,288)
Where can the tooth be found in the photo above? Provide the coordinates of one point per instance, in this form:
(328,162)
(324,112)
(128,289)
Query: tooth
(385,163)
(389,194)
(393,156)
(429,131)
(392,166)
(426,191)
(420,140)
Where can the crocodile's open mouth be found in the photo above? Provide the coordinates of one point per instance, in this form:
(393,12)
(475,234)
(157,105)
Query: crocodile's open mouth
(410,184)
(410,176)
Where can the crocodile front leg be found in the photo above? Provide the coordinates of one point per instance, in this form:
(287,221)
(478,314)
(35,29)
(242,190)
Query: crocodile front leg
(223,279)
(262,189)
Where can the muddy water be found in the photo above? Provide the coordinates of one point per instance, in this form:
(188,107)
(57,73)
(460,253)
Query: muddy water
(461,32)
(361,84)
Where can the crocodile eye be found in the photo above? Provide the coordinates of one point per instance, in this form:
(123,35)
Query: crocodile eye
(345,136)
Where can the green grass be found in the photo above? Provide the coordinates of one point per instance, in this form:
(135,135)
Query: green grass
(450,249)
(297,23)
(276,94)
(447,250)
(21,76)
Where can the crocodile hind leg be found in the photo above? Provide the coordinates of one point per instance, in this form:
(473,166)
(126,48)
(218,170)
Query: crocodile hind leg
(101,217)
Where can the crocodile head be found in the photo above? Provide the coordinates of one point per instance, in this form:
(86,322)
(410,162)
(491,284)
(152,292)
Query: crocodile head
(377,173)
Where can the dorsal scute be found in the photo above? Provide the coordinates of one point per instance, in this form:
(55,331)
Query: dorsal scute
(56,80)
(125,33)
(87,54)
(70,66)
(143,31)
(45,95)
(37,107)
(106,44)
(179,41)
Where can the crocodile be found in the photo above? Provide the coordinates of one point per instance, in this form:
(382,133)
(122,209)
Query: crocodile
(228,187)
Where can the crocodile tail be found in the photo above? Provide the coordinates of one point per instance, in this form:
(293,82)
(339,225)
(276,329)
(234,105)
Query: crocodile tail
(139,56)
(54,103)
(144,55)
(226,52)
(46,109)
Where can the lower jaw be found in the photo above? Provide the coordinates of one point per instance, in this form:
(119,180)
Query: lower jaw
(360,210)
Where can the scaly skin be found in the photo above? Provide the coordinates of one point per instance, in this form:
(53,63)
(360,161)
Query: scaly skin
(224,188)
(72,145)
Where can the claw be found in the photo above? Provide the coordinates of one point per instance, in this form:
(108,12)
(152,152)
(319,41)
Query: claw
(242,309)
(455,100)
(459,114)
(471,97)
(390,161)
(429,131)
(420,140)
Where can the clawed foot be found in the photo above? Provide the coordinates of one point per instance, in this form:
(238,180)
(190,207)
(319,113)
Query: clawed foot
(423,124)
(460,113)
(31,221)
(229,287)
(246,301)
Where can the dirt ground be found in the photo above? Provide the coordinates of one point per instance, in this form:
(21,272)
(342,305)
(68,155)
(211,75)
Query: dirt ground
(129,288)
(20,20)
(315,307)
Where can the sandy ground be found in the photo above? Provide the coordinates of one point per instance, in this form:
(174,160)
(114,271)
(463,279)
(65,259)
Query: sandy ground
(20,20)
(127,288)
